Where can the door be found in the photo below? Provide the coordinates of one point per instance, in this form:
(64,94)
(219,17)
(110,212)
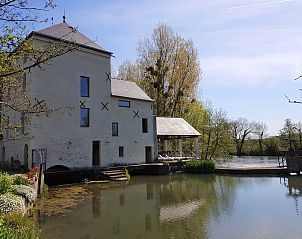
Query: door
(148,152)
(95,153)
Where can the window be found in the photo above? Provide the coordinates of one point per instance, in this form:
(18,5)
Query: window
(124,103)
(114,129)
(121,151)
(145,125)
(84,117)
(84,86)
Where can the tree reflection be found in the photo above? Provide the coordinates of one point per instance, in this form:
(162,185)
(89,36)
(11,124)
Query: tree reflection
(96,204)
(212,194)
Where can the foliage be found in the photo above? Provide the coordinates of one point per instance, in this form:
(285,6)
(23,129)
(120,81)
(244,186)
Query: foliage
(6,182)
(17,226)
(199,166)
(18,56)
(10,202)
(167,69)
(291,135)
(27,192)
(215,140)
(20,180)
(127,174)
(44,191)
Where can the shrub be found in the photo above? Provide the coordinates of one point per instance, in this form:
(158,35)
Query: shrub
(10,202)
(19,180)
(199,166)
(26,191)
(6,182)
(17,226)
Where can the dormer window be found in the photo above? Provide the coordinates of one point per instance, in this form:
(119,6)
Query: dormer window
(84,86)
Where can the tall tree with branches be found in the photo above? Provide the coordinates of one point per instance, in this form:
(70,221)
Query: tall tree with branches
(241,128)
(167,69)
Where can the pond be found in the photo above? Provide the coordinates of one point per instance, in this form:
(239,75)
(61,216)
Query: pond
(177,206)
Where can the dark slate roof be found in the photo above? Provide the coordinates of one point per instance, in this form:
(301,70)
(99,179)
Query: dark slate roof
(65,32)
(128,89)
(174,127)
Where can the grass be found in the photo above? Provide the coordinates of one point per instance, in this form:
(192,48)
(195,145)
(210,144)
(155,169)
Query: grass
(6,182)
(199,166)
(17,226)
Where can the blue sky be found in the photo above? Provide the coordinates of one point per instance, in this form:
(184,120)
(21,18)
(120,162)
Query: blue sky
(250,51)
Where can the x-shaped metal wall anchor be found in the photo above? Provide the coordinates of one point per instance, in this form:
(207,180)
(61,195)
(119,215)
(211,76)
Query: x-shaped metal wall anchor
(104,106)
(82,104)
(108,76)
(136,114)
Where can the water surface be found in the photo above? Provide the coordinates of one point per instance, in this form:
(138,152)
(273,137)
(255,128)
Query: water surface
(184,206)
(250,161)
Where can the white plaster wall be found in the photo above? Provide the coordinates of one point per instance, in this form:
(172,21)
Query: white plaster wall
(130,135)
(14,142)
(66,142)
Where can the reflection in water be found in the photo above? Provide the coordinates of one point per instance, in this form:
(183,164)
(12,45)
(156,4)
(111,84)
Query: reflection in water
(96,204)
(294,185)
(185,206)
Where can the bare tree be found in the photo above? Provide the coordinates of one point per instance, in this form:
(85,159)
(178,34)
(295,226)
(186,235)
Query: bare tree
(260,130)
(240,128)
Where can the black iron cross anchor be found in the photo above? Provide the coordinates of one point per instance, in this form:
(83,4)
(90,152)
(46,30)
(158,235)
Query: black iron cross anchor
(82,104)
(104,106)
(108,76)
(136,114)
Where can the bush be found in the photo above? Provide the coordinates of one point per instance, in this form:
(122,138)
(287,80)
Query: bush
(10,202)
(6,182)
(199,166)
(27,192)
(19,180)
(17,226)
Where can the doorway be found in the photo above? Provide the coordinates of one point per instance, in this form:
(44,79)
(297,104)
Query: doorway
(95,153)
(148,153)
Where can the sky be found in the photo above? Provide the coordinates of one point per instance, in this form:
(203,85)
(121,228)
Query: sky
(250,51)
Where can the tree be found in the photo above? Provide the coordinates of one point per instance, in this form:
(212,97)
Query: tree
(287,134)
(260,130)
(215,139)
(240,128)
(18,55)
(167,69)
(298,129)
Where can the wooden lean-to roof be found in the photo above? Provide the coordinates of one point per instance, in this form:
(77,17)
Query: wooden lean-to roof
(174,128)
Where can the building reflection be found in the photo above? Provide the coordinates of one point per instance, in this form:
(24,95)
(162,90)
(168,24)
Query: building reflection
(294,185)
(96,204)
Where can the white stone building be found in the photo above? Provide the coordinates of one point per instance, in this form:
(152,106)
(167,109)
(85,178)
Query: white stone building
(107,121)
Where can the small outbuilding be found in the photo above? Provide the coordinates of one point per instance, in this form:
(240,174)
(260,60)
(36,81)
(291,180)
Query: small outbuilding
(171,129)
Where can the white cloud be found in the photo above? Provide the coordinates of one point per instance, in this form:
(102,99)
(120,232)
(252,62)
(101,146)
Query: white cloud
(264,70)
